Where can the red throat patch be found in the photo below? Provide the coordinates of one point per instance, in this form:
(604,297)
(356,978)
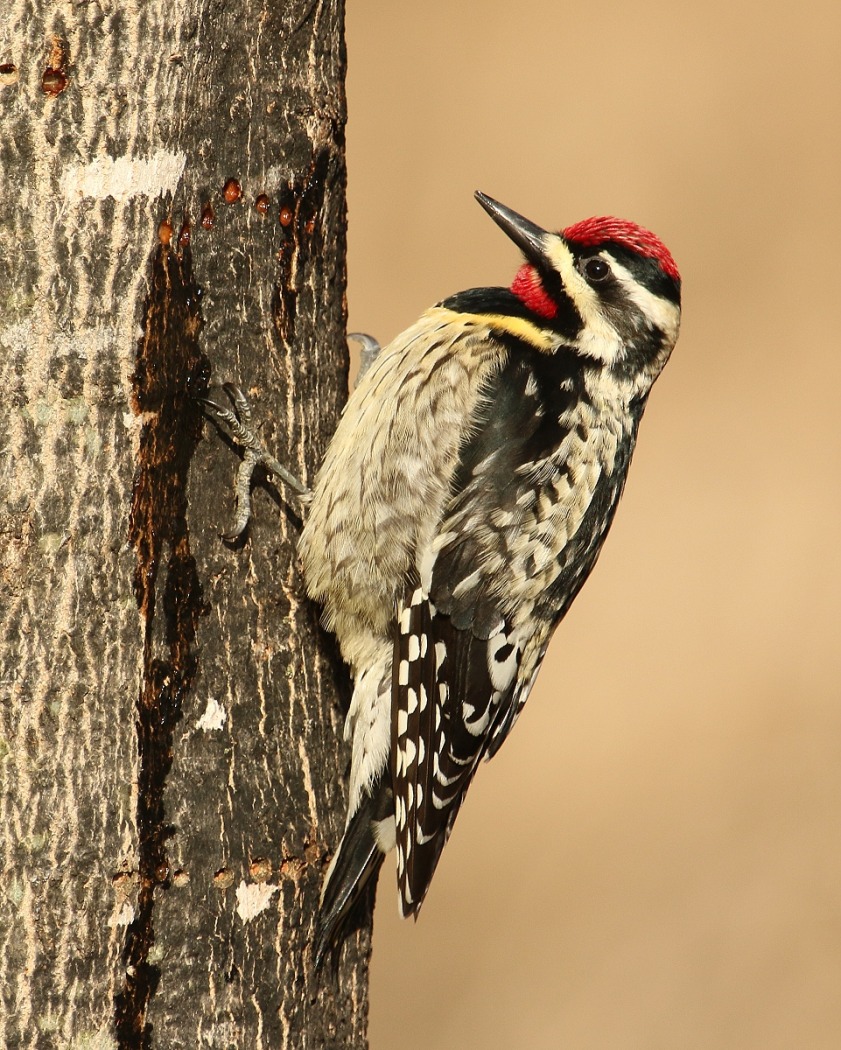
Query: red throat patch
(592,232)
(529,289)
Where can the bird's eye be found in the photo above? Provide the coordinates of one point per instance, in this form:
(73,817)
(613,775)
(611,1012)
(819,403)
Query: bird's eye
(596,270)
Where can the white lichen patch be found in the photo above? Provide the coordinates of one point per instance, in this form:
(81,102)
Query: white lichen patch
(214,717)
(123,177)
(124,916)
(252,898)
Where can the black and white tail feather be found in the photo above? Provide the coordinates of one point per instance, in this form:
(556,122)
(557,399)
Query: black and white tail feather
(358,860)
(435,750)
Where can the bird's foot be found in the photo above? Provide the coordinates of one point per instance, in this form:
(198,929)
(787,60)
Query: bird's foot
(237,423)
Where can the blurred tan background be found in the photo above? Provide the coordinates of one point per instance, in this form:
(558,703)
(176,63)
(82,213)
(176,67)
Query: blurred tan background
(654,859)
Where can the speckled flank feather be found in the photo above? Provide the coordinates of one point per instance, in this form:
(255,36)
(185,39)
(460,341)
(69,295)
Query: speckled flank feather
(461,506)
(384,481)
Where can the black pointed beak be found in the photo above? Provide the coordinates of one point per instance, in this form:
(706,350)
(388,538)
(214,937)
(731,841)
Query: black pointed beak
(528,237)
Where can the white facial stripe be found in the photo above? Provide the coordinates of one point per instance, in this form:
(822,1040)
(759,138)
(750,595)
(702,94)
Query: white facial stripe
(600,339)
(662,313)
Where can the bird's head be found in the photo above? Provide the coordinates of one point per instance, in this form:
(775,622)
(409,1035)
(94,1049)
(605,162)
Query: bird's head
(609,288)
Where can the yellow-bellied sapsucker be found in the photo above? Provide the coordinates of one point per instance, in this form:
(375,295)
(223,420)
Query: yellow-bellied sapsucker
(460,507)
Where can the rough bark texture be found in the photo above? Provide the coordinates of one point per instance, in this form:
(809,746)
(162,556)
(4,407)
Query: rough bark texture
(169,709)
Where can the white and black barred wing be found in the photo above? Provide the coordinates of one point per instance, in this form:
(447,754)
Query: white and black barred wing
(531,501)
(446,705)
(463,658)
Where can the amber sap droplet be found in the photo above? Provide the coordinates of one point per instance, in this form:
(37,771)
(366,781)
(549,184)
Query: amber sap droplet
(310,226)
(262,204)
(53,82)
(207,217)
(165,232)
(184,236)
(232,191)
(260,869)
(285,216)
(9,73)
(223,879)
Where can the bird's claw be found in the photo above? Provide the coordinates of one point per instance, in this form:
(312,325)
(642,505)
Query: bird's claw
(370,349)
(237,421)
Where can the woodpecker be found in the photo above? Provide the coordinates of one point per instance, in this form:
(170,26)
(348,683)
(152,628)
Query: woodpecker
(460,507)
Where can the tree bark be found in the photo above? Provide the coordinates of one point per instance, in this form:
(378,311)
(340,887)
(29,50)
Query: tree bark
(171,769)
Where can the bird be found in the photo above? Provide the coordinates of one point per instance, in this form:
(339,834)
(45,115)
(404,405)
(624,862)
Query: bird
(459,508)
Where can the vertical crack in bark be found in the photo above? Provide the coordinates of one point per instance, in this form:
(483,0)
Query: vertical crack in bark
(170,372)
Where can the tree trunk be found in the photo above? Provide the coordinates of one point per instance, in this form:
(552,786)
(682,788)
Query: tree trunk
(170,713)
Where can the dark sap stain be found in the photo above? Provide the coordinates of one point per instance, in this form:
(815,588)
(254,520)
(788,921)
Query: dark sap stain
(170,371)
(301,202)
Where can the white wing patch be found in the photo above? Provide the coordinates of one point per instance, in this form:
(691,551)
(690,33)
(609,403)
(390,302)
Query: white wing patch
(504,654)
